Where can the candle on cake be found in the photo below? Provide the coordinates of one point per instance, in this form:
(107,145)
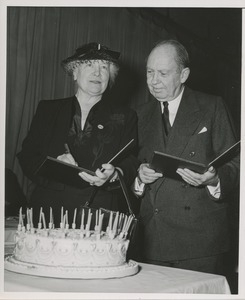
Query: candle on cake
(50,225)
(61,218)
(74,219)
(82,220)
(40,218)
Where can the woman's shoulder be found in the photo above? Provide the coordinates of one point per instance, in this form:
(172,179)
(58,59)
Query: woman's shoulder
(54,102)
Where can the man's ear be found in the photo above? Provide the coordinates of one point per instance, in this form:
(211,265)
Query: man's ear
(184,75)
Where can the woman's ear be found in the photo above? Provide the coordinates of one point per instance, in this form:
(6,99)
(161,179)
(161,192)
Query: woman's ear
(75,74)
(184,75)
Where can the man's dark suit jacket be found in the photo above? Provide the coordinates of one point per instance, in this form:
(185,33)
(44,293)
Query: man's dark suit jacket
(182,221)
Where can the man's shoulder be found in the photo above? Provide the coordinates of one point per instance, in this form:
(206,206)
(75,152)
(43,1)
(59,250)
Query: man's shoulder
(205,101)
(144,107)
(201,95)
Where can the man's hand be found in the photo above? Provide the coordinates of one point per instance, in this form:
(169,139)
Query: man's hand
(147,175)
(208,178)
(101,177)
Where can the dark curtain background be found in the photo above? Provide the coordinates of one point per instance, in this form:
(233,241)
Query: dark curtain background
(38,38)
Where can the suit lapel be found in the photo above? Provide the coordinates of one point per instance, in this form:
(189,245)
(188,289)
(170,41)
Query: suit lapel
(186,122)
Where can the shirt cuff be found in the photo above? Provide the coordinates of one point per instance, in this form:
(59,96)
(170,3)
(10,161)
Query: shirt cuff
(215,190)
(139,187)
(115,175)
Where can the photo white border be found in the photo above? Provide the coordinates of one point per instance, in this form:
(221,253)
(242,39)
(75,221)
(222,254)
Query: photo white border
(116,3)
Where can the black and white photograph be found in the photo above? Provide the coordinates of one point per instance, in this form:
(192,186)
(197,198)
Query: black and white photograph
(122,137)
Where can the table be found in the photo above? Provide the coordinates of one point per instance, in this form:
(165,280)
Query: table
(150,279)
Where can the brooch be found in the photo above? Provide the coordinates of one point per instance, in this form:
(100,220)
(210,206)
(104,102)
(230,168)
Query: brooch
(100,126)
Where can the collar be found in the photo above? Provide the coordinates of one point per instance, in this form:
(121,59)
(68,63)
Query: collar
(174,104)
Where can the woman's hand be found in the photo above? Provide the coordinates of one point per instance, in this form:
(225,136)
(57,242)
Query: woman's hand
(101,177)
(68,158)
(208,178)
(147,175)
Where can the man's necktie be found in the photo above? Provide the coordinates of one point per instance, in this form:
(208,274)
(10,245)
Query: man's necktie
(165,118)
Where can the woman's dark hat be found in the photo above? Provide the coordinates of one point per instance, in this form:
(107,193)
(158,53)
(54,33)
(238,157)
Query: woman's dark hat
(91,51)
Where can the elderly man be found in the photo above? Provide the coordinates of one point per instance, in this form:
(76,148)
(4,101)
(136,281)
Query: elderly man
(184,219)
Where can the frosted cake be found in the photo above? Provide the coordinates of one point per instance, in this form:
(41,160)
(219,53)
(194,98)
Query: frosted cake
(71,252)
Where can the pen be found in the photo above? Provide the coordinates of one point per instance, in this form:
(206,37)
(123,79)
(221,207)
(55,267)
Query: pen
(67,150)
(102,169)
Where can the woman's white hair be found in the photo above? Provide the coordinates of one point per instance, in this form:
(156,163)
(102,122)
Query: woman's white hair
(113,69)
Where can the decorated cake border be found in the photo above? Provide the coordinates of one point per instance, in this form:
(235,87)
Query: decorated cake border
(128,269)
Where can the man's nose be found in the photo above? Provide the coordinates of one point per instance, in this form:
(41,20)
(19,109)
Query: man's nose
(155,78)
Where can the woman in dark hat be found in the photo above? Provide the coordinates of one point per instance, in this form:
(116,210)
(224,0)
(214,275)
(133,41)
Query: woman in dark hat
(92,128)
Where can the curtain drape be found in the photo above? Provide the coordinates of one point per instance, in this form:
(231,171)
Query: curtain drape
(38,38)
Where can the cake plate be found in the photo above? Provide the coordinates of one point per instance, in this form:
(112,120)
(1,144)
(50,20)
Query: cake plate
(128,269)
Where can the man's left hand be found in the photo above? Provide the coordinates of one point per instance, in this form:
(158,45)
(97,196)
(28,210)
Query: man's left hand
(208,178)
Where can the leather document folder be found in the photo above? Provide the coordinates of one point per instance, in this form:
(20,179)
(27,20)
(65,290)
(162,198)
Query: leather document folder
(62,172)
(168,164)
(59,171)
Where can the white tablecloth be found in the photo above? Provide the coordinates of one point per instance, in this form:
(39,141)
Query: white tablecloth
(150,279)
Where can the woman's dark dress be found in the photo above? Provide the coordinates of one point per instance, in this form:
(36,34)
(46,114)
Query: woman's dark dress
(108,128)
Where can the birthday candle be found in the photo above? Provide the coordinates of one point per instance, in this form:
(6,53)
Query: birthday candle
(31,217)
(50,215)
(130,219)
(101,222)
(89,217)
(40,215)
(67,217)
(115,222)
(61,217)
(82,220)
(20,216)
(120,221)
(44,223)
(75,214)
(125,222)
(110,221)
(27,216)
(96,218)
(89,220)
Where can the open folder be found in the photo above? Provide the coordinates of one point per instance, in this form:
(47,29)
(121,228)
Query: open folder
(168,164)
(62,172)
(59,171)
